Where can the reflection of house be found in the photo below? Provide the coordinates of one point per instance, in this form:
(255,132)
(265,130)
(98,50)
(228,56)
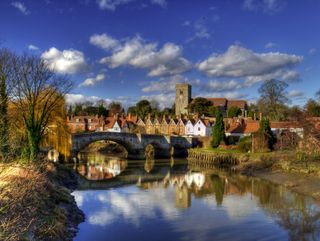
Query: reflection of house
(196,178)
(103,170)
(183,197)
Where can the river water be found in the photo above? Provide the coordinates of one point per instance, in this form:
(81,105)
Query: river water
(169,200)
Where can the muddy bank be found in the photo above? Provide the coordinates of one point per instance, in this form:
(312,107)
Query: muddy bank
(285,168)
(36,202)
(304,184)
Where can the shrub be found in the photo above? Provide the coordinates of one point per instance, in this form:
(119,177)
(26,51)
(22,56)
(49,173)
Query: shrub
(245,144)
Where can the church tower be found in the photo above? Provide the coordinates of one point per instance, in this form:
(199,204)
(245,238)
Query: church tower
(183,98)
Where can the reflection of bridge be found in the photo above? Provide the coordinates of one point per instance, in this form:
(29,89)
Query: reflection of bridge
(135,144)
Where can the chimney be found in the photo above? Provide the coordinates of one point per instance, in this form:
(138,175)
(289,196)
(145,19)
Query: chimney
(254,116)
(129,116)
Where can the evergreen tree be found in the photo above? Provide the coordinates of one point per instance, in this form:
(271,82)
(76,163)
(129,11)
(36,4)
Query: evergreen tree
(218,130)
(265,129)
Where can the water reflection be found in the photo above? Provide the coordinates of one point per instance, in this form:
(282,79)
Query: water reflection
(100,167)
(188,204)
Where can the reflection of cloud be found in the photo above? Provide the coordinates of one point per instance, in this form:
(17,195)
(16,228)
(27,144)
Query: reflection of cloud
(236,207)
(239,207)
(130,205)
(79,197)
(101,218)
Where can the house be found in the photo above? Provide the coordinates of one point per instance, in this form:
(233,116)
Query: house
(189,127)
(157,126)
(173,127)
(278,127)
(202,128)
(181,126)
(117,125)
(77,124)
(164,126)
(141,126)
(224,104)
(149,126)
(242,128)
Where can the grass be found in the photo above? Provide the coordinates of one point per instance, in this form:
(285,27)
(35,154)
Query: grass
(216,150)
(32,205)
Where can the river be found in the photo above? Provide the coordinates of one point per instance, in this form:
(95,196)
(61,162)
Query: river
(169,200)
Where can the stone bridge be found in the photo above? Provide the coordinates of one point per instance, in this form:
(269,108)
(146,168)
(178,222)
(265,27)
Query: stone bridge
(135,144)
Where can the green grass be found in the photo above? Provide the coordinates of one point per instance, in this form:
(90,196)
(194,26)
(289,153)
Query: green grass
(215,150)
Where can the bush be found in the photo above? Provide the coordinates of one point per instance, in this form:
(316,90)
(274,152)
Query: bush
(245,144)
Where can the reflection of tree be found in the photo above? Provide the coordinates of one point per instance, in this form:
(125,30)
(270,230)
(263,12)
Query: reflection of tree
(149,165)
(218,188)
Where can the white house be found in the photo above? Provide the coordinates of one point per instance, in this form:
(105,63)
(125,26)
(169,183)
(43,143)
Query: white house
(189,128)
(202,128)
(118,126)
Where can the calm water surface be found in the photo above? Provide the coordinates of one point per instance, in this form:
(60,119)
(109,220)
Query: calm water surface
(169,200)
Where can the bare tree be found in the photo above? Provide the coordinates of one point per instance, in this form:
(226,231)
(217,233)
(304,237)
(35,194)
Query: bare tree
(37,94)
(7,60)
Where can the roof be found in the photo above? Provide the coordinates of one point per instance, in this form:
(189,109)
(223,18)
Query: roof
(237,103)
(253,126)
(183,121)
(218,101)
(284,124)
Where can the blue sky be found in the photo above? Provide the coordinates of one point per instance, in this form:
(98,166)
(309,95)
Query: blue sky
(125,50)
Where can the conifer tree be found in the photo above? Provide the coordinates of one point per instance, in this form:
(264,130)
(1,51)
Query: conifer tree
(218,130)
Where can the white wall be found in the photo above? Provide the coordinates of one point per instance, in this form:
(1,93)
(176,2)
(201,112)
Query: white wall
(189,128)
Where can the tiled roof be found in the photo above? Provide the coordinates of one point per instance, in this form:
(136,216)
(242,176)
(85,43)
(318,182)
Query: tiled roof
(284,124)
(237,103)
(218,101)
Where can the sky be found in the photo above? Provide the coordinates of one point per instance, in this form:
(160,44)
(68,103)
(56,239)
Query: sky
(128,50)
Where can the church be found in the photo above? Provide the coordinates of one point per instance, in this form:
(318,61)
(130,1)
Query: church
(184,98)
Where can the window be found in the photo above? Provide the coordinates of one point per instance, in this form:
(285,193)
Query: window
(198,128)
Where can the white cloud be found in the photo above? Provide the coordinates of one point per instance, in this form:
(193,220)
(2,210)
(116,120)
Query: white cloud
(266,6)
(111,5)
(312,51)
(138,53)
(104,41)
(164,85)
(68,61)
(164,99)
(219,86)
(200,29)
(228,95)
(161,3)
(21,7)
(270,45)
(72,99)
(32,47)
(295,94)
(93,81)
(239,62)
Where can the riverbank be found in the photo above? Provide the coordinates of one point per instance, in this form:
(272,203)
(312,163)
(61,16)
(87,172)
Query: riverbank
(36,202)
(292,169)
